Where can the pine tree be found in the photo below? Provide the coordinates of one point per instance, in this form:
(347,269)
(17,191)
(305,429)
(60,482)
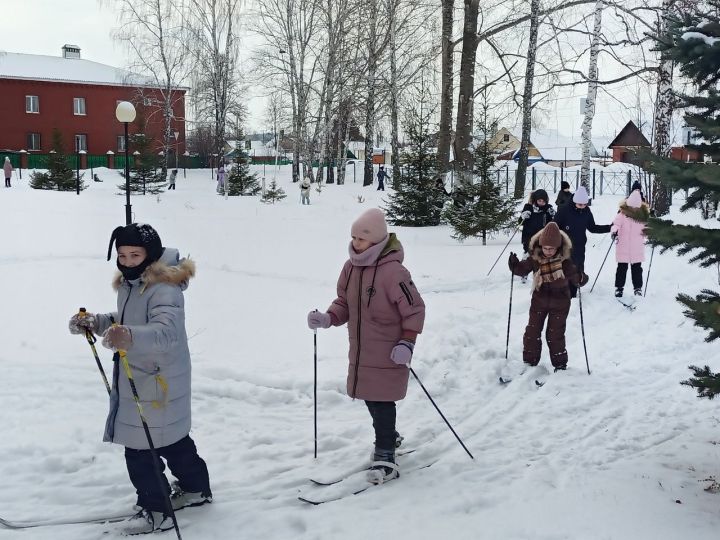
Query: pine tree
(146,175)
(274,193)
(240,180)
(416,202)
(693,44)
(480,208)
(60,175)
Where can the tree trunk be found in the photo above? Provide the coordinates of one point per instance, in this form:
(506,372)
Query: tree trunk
(464,120)
(663,115)
(524,154)
(370,99)
(591,97)
(394,130)
(446,97)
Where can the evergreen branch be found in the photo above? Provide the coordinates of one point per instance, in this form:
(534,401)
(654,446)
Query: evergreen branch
(704,381)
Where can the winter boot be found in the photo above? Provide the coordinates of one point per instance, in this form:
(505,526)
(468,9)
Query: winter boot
(560,368)
(147,521)
(383,468)
(638,292)
(618,292)
(182,499)
(398,440)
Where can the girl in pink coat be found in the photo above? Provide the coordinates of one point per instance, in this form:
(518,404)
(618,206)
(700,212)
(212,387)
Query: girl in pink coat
(378,300)
(629,226)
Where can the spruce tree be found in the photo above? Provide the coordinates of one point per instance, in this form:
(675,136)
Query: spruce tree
(480,208)
(274,193)
(240,180)
(694,44)
(416,202)
(60,174)
(146,174)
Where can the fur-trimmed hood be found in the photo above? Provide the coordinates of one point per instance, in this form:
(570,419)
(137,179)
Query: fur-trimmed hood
(536,249)
(169,269)
(641,214)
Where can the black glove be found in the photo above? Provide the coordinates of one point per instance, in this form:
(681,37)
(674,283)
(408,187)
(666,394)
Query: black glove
(584,278)
(613,236)
(513,261)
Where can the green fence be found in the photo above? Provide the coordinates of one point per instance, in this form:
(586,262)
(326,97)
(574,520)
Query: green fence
(96,161)
(37,161)
(14,159)
(269,161)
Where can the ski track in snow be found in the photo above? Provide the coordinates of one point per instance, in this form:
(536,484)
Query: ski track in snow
(595,456)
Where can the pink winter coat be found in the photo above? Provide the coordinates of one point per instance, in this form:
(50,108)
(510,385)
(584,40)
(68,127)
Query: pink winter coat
(629,224)
(378,302)
(7,167)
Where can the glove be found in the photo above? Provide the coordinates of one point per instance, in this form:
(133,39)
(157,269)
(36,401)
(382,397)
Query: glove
(584,278)
(402,352)
(117,338)
(81,323)
(614,236)
(316,320)
(513,261)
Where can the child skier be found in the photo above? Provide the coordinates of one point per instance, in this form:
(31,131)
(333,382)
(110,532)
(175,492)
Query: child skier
(629,226)
(574,220)
(537,213)
(151,328)
(564,196)
(384,311)
(305,191)
(552,271)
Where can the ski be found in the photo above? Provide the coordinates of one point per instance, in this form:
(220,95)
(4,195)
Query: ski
(360,468)
(30,524)
(539,383)
(630,306)
(504,380)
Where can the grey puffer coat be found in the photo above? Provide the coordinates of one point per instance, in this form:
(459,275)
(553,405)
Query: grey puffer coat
(153,308)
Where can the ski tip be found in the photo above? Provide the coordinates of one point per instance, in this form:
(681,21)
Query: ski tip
(503,380)
(539,384)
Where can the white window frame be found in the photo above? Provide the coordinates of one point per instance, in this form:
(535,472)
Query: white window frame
(121,143)
(29,102)
(32,137)
(80,141)
(79,106)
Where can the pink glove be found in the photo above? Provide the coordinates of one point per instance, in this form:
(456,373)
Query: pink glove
(81,322)
(316,320)
(402,352)
(117,338)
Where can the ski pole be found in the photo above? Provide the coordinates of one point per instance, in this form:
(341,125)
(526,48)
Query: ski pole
(156,459)
(440,412)
(315,389)
(601,266)
(507,341)
(92,340)
(582,327)
(652,253)
(503,251)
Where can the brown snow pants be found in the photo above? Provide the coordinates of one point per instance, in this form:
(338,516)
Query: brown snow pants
(553,306)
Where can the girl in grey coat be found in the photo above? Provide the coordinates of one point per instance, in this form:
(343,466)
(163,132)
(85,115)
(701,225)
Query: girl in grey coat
(149,325)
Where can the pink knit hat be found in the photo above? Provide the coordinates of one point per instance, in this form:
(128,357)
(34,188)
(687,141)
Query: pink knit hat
(370,226)
(634,200)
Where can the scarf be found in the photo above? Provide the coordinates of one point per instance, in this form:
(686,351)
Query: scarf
(550,270)
(370,255)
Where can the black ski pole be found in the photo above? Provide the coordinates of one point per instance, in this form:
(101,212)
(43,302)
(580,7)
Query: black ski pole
(601,266)
(315,391)
(156,459)
(507,341)
(647,278)
(503,251)
(440,412)
(92,340)
(582,327)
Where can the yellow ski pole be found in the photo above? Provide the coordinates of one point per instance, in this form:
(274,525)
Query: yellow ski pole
(92,340)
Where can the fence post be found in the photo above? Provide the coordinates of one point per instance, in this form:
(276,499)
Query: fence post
(602,176)
(629,183)
(555,181)
(593,186)
(533,178)
(507,180)
(562,173)
(577,179)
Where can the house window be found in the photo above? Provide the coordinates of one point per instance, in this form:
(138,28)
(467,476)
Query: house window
(80,142)
(79,106)
(33,141)
(121,143)
(32,104)
(506,137)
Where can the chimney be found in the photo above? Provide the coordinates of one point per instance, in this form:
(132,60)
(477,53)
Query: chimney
(71,51)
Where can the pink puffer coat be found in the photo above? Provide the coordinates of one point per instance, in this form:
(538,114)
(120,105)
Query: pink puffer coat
(378,302)
(629,224)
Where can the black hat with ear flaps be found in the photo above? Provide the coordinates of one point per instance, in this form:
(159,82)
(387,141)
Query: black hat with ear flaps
(140,235)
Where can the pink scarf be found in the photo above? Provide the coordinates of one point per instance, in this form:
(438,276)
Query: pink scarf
(369,256)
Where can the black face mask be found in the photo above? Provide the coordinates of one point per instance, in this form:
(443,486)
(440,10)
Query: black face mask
(135,272)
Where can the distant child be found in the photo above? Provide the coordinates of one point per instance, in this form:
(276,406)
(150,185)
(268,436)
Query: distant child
(150,326)
(534,216)
(629,226)
(384,312)
(381,176)
(565,196)
(8,170)
(221,179)
(552,271)
(173,176)
(574,220)
(305,191)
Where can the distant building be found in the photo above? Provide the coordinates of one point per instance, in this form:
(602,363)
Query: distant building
(628,143)
(78,97)
(546,145)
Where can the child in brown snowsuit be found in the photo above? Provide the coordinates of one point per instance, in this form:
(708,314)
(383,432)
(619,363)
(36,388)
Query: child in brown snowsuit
(552,272)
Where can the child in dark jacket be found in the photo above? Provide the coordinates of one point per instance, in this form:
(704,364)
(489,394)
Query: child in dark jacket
(537,213)
(565,196)
(552,272)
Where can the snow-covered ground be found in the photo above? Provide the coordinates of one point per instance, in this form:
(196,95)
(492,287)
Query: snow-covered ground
(624,453)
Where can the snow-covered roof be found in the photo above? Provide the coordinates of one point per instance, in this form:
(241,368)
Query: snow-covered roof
(553,146)
(38,67)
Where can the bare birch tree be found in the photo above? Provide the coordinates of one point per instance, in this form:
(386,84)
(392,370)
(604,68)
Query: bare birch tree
(591,96)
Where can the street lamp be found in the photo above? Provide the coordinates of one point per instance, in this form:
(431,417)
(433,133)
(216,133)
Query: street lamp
(125,113)
(77,170)
(186,155)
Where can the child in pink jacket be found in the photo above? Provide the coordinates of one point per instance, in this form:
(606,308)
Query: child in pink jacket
(384,311)
(628,226)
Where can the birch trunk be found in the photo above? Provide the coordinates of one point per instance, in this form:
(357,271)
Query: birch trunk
(394,91)
(663,114)
(446,97)
(372,62)
(591,96)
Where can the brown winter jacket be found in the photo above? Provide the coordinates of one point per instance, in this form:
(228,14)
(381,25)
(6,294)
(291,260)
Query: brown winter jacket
(379,303)
(532,264)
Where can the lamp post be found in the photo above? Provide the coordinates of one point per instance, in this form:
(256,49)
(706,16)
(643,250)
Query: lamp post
(22,153)
(77,169)
(162,155)
(186,155)
(177,134)
(125,113)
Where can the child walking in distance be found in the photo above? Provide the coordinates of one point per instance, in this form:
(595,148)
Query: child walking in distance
(8,170)
(149,325)
(552,272)
(629,228)
(384,312)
